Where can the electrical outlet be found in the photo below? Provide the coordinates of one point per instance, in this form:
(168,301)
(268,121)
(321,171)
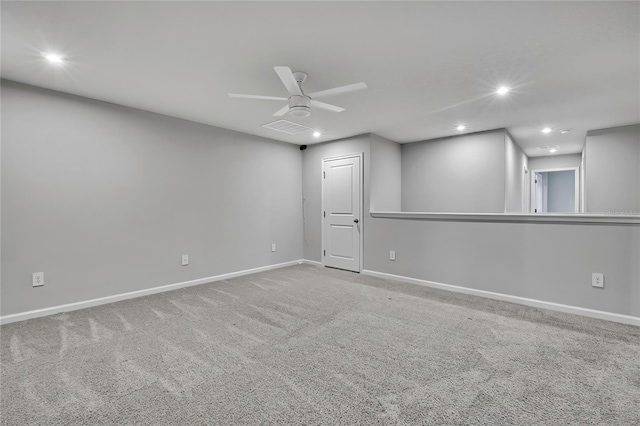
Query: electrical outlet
(597,280)
(273,247)
(37,279)
(185,259)
(392,255)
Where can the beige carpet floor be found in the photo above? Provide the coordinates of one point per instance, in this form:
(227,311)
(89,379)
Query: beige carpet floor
(316,346)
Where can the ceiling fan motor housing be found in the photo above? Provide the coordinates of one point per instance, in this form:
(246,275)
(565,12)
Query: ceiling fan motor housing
(299,106)
(300,76)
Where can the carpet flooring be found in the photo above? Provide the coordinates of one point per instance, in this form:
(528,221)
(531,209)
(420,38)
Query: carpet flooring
(316,346)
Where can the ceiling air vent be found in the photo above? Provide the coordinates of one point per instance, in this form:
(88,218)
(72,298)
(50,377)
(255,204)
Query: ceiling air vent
(288,127)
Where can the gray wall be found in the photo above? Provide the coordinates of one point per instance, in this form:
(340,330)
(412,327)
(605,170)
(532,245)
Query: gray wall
(561,191)
(457,174)
(550,162)
(515,179)
(613,170)
(312,188)
(386,174)
(547,262)
(105,199)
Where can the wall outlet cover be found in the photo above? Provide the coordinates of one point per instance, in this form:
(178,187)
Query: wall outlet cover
(597,280)
(185,259)
(37,279)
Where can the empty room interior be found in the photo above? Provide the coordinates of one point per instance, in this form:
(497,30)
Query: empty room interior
(330,213)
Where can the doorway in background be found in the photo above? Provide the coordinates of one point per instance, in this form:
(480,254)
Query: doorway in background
(555,191)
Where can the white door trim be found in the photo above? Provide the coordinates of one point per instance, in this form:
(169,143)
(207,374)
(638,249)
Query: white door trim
(362,214)
(576,179)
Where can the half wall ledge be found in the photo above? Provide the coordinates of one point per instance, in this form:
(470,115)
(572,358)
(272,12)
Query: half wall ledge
(576,219)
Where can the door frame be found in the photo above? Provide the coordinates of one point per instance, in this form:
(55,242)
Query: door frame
(360,155)
(532,183)
(526,189)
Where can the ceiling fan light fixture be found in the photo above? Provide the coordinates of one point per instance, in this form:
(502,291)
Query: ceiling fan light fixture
(299,106)
(299,111)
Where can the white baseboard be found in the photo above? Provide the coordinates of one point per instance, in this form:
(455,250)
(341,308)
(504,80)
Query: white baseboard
(311,262)
(139,293)
(609,316)
(625,319)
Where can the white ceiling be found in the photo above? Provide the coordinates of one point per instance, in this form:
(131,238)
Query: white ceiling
(428,65)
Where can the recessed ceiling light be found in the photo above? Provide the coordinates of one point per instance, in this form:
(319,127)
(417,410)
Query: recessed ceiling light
(461,127)
(316,134)
(502,90)
(553,150)
(565,131)
(54,58)
(546,130)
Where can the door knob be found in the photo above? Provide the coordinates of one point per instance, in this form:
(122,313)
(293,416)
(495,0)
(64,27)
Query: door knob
(356,220)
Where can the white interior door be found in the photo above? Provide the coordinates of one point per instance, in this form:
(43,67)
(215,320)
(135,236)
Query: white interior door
(342,205)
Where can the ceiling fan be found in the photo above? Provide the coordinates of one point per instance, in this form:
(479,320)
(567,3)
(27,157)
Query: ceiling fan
(299,103)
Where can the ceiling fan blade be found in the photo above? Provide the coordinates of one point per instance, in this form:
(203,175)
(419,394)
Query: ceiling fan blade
(288,80)
(269,98)
(338,90)
(282,111)
(328,107)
